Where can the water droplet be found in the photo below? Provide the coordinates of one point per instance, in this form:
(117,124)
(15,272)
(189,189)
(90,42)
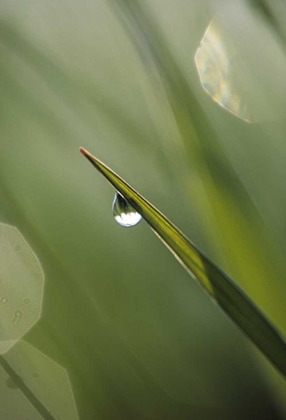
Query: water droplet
(26,301)
(35,375)
(17,248)
(124,213)
(4,300)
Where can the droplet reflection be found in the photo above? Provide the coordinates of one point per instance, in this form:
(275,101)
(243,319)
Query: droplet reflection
(124,213)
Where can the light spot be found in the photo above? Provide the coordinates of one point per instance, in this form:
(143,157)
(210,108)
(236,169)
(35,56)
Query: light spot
(45,378)
(21,287)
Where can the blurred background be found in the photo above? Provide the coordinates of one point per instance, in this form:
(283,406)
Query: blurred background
(186,101)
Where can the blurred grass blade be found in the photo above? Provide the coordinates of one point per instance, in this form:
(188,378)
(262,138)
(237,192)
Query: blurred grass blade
(216,283)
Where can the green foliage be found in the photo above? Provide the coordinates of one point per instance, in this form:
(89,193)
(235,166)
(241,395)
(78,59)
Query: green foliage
(135,336)
(216,283)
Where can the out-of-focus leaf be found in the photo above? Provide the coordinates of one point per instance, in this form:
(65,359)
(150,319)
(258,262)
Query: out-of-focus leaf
(216,283)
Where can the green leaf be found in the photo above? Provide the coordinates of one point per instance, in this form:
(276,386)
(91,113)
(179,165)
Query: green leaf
(216,283)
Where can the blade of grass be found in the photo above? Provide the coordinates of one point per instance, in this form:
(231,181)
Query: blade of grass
(217,284)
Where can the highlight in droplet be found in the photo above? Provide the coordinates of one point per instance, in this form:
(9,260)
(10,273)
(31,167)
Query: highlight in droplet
(123,212)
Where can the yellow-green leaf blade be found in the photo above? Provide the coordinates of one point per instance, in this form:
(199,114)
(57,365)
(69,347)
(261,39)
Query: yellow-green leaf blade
(216,283)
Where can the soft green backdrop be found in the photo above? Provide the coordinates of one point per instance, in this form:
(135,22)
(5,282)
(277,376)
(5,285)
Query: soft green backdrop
(136,335)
